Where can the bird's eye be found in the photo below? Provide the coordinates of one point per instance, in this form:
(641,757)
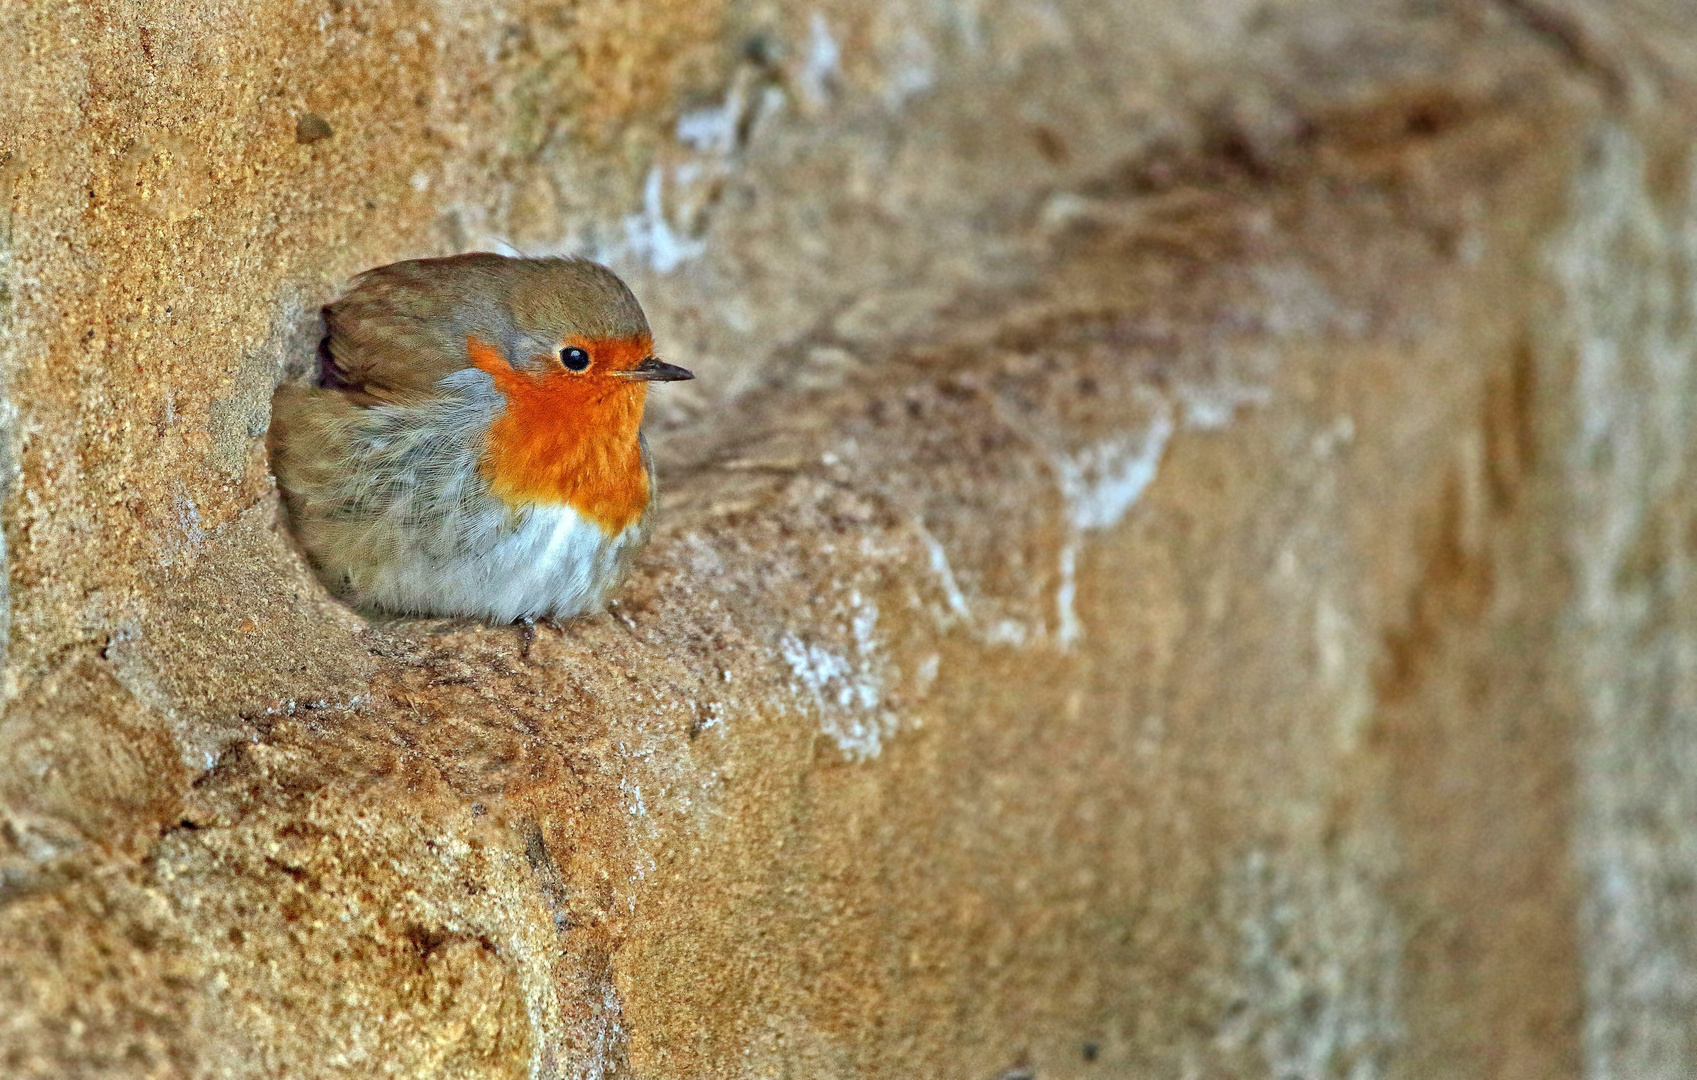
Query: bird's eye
(574,358)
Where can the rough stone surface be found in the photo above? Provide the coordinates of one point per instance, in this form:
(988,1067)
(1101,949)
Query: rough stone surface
(1180,560)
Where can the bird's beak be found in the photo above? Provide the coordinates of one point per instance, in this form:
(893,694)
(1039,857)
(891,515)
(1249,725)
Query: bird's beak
(652,370)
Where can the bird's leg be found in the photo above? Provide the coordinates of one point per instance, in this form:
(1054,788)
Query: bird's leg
(527,635)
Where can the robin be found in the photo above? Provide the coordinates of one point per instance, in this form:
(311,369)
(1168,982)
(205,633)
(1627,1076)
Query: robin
(473,445)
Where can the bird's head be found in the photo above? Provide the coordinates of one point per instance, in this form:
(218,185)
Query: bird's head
(575,327)
(568,348)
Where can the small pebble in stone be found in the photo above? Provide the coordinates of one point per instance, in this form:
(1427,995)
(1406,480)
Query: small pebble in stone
(310,127)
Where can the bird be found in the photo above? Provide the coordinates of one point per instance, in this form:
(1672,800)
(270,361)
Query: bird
(472,444)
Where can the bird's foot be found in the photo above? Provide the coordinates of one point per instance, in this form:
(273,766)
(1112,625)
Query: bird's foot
(527,635)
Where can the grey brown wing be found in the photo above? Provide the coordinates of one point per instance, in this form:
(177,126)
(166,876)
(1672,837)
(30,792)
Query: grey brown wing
(333,376)
(402,328)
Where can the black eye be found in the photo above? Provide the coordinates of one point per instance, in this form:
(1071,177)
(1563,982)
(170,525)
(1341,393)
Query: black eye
(574,358)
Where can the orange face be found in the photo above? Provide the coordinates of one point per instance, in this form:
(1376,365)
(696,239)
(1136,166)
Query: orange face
(570,436)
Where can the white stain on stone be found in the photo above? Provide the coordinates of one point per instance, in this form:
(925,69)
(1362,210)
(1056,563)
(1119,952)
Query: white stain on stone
(823,64)
(650,235)
(669,229)
(938,560)
(713,130)
(925,676)
(632,795)
(1068,628)
(606,1035)
(1213,407)
(1296,303)
(1314,993)
(1100,484)
(1333,633)
(8,477)
(846,688)
(1628,271)
(1007,632)
(532,944)
(912,67)
(191,531)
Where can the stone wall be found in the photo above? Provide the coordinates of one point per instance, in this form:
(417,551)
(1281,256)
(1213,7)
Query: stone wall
(1179,561)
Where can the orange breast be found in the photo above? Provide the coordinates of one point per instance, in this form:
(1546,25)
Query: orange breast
(566,440)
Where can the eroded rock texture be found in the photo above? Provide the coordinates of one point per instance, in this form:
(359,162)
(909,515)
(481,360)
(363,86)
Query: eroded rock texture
(1179,563)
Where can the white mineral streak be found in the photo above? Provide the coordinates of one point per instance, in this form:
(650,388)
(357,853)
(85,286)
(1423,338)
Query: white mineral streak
(590,1044)
(1627,269)
(1212,407)
(823,66)
(945,575)
(191,531)
(8,439)
(9,340)
(846,689)
(533,945)
(650,235)
(1314,993)
(607,1035)
(1100,484)
(912,67)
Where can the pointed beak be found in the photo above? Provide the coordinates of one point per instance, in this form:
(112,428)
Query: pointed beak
(652,370)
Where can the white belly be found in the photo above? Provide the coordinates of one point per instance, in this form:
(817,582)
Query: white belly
(548,562)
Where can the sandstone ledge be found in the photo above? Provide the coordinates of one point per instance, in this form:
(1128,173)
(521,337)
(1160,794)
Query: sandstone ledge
(1196,610)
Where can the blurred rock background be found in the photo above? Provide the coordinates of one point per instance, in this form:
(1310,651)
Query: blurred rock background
(1179,562)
